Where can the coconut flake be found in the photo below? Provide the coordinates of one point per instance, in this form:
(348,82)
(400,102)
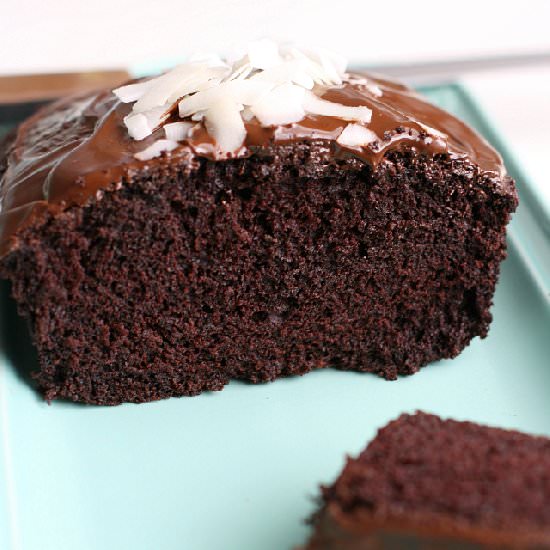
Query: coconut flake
(156,116)
(293,71)
(241,72)
(325,67)
(276,84)
(283,105)
(356,135)
(177,131)
(137,125)
(332,64)
(202,101)
(133,92)
(244,92)
(156,148)
(224,123)
(182,80)
(247,114)
(141,125)
(317,106)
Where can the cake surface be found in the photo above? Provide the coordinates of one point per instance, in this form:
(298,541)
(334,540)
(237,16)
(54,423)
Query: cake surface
(424,482)
(149,268)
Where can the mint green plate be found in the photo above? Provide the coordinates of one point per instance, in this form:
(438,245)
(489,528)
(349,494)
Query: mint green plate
(239,469)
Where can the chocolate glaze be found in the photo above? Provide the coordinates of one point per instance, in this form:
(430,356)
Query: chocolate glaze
(74,149)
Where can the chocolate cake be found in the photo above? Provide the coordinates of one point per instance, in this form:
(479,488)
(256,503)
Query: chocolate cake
(428,483)
(248,220)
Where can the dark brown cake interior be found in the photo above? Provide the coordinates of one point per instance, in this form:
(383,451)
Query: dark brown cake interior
(422,465)
(192,274)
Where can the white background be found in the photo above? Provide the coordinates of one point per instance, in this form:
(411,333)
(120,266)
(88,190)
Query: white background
(57,34)
(50,35)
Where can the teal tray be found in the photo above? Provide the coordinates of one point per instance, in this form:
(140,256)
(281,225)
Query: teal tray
(239,469)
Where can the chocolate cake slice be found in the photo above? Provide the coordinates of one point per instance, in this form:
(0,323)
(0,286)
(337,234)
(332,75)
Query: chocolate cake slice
(428,483)
(248,220)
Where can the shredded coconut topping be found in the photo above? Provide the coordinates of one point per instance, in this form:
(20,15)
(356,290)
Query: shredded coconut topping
(156,148)
(276,84)
(356,135)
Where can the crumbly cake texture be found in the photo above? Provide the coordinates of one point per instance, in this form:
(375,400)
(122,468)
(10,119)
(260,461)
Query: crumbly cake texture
(427,483)
(257,268)
(145,280)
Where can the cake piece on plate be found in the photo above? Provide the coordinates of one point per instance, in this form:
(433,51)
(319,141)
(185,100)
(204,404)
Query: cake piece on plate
(248,220)
(428,483)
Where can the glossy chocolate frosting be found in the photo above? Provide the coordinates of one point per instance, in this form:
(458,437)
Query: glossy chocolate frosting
(73,149)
